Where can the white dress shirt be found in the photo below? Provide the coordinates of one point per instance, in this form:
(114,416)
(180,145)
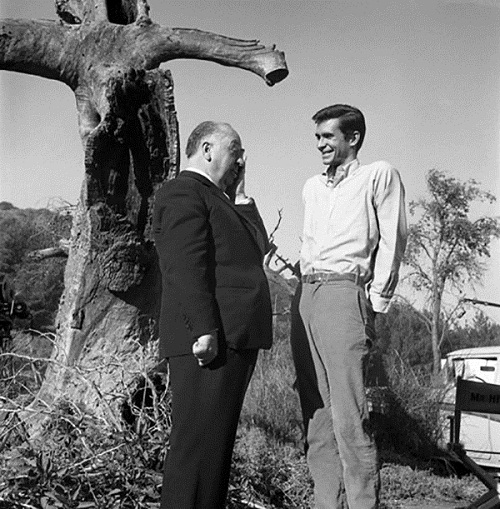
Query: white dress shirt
(200,172)
(356,224)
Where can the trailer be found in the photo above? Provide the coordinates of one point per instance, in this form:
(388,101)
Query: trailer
(480,432)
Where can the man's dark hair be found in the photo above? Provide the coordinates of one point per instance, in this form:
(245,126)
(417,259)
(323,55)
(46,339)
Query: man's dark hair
(350,119)
(201,131)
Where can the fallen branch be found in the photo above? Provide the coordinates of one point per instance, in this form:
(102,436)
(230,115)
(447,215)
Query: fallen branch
(61,251)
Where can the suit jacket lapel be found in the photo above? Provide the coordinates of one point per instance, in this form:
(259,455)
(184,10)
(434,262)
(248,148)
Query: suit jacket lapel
(255,233)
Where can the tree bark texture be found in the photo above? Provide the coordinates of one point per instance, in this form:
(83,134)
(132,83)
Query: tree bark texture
(108,52)
(106,324)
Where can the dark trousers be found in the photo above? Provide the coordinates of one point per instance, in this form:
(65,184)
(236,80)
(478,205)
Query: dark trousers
(206,405)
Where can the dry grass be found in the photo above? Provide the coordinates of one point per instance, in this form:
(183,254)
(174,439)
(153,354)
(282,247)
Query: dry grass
(79,459)
(87,461)
(271,403)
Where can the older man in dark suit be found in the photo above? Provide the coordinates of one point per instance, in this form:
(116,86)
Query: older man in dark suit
(216,311)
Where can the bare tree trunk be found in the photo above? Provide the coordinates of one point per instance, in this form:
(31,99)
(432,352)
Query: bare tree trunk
(106,324)
(108,52)
(435,328)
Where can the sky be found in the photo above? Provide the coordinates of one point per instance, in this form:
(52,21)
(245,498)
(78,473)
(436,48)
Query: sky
(426,74)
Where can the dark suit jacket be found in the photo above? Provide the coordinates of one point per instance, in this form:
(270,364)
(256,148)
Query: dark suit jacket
(210,252)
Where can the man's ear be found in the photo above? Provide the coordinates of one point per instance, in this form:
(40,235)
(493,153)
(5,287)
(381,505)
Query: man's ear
(355,137)
(206,150)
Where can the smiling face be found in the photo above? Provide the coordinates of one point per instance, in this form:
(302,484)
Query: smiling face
(336,149)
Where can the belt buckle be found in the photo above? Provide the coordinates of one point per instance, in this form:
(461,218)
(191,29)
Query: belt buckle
(322,278)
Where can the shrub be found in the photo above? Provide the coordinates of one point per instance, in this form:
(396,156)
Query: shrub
(271,402)
(81,462)
(76,460)
(40,283)
(401,483)
(412,424)
(89,462)
(268,472)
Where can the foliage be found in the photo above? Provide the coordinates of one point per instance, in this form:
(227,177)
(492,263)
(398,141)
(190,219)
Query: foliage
(81,458)
(87,462)
(270,472)
(77,460)
(40,283)
(481,332)
(271,403)
(403,483)
(412,424)
(446,248)
(82,463)
(269,468)
(402,333)
(450,242)
(22,367)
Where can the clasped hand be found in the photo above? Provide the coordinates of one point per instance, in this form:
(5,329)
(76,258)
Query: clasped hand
(206,348)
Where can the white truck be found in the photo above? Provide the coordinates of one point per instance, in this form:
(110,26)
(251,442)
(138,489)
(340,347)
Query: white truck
(480,432)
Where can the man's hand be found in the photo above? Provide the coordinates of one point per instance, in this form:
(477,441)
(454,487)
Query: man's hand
(206,348)
(239,183)
(236,190)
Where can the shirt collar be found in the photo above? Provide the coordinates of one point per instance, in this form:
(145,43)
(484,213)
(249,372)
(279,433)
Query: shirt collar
(344,169)
(207,176)
(200,172)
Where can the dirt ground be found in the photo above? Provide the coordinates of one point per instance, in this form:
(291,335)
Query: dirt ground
(431,505)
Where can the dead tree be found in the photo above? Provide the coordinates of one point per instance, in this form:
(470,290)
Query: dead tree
(109,52)
(273,254)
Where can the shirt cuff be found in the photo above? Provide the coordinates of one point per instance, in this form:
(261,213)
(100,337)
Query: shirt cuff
(379,304)
(212,332)
(243,200)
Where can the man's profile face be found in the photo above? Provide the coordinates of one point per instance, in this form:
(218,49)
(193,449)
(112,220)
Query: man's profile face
(229,153)
(332,143)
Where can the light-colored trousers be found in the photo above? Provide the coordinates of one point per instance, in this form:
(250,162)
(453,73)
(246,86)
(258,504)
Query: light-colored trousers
(332,330)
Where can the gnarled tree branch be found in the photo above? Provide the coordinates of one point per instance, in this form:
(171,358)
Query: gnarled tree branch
(164,44)
(108,52)
(36,47)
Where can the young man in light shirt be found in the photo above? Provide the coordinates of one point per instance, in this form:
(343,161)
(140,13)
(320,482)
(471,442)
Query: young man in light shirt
(353,241)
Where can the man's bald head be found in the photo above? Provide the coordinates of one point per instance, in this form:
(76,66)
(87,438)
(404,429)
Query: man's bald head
(202,131)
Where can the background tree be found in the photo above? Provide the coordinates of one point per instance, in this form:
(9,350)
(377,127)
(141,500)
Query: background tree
(446,248)
(402,336)
(108,52)
(481,331)
(25,231)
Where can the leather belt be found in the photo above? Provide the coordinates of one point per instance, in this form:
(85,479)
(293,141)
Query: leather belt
(331,277)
